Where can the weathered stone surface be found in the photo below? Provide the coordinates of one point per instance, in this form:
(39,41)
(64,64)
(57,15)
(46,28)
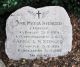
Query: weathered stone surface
(34,33)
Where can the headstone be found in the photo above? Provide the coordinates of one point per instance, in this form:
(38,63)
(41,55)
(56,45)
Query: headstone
(42,32)
(1,63)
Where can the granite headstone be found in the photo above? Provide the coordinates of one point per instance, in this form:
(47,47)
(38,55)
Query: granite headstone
(42,32)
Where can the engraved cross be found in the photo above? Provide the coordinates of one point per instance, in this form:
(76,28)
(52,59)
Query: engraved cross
(38,14)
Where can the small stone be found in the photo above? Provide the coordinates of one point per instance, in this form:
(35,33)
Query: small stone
(35,65)
(73,65)
(23,61)
(1,63)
